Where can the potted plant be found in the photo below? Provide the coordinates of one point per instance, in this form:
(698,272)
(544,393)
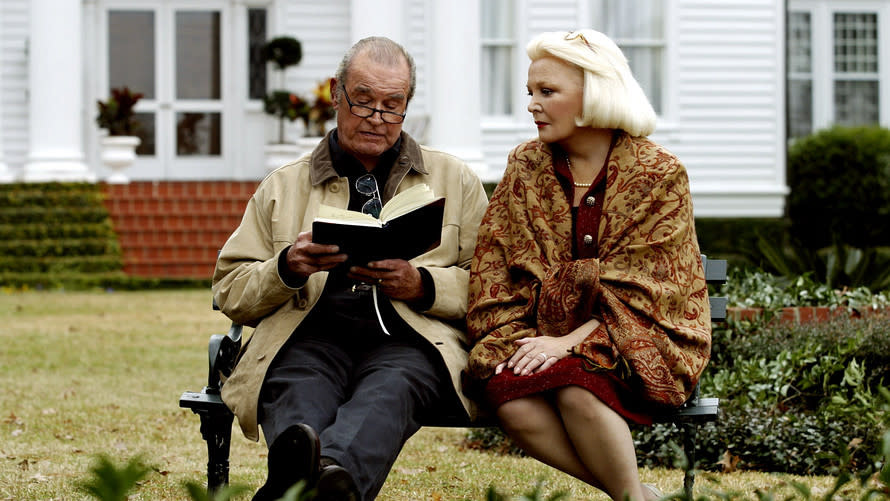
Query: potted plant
(322,110)
(117,116)
(283,52)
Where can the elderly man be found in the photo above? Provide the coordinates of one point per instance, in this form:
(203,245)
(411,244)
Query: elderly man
(346,360)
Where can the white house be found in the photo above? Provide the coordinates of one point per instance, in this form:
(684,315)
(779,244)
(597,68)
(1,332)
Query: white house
(715,71)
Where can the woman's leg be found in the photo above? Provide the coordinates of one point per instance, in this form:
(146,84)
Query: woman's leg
(602,441)
(534,425)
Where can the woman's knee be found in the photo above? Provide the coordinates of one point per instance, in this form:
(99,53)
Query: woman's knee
(575,399)
(519,414)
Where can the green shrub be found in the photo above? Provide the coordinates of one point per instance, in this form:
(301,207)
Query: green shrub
(840,187)
(56,235)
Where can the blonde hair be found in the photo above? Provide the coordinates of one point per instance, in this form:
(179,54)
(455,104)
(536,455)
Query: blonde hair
(612,97)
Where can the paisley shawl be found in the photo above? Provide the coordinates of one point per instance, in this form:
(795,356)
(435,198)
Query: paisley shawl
(647,283)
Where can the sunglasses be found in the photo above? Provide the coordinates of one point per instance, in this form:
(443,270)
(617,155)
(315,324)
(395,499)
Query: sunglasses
(367,185)
(576,35)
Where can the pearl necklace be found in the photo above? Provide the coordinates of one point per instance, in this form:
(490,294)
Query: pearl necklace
(577,185)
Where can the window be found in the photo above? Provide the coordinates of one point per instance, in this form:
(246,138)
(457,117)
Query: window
(638,27)
(498,41)
(800,74)
(833,65)
(256,38)
(856,69)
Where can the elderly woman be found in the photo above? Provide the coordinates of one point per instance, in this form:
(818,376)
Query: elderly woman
(588,304)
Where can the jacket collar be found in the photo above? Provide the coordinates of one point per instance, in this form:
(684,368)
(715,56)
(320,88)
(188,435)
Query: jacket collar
(322,166)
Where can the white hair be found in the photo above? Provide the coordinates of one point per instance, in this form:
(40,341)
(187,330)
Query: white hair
(612,97)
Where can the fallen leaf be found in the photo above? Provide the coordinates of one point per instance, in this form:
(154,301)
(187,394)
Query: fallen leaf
(729,462)
(17,432)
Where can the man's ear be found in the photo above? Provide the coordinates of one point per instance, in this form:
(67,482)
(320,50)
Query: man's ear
(335,95)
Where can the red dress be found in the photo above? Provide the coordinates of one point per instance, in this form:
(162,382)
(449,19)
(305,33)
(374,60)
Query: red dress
(573,369)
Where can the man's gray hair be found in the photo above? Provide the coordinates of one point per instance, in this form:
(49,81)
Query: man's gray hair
(381,50)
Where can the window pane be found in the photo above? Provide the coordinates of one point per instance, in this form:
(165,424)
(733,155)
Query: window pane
(856,102)
(198,134)
(800,48)
(197,55)
(131,51)
(647,65)
(146,132)
(855,43)
(621,19)
(498,42)
(497,81)
(800,104)
(256,37)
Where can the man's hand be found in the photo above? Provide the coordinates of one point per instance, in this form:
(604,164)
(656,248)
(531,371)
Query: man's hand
(305,258)
(396,278)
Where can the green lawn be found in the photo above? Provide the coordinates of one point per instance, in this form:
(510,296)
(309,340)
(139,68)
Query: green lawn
(88,373)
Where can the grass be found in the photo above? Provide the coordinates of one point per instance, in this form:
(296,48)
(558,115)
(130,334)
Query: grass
(90,373)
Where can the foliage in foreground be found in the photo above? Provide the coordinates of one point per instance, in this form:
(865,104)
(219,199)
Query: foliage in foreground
(109,482)
(791,395)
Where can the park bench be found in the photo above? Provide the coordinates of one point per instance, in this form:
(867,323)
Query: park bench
(216,418)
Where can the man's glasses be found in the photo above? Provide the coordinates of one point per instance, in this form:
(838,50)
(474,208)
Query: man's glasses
(367,185)
(362,111)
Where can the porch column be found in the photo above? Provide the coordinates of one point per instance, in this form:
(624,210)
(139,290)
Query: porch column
(56,106)
(455,101)
(379,18)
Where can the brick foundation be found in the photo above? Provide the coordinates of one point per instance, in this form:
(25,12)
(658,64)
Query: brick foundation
(803,314)
(173,229)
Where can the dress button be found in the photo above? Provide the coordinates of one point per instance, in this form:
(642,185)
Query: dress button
(588,239)
(590,201)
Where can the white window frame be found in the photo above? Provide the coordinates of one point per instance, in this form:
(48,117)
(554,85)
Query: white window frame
(822,65)
(667,112)
(516,84)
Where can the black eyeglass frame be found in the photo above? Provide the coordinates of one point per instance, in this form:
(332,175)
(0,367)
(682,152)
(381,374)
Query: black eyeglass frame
(370,111)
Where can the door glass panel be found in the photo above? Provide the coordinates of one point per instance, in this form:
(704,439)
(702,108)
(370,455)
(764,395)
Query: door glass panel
(131,51)
(198,134)
(197,55)
(256,38)
(146,133)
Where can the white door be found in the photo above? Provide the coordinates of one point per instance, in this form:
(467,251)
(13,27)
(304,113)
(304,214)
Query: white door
(172,51)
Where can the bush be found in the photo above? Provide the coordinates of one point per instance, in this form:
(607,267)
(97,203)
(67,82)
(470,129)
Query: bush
(790,395)
(840,179)
(56,235)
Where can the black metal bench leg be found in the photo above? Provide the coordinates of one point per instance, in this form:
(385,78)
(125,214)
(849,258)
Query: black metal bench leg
(688,431)
(216,428)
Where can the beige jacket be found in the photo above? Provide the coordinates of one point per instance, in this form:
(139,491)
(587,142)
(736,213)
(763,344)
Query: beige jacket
(248,289)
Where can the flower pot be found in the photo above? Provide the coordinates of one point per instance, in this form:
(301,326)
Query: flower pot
(118,154)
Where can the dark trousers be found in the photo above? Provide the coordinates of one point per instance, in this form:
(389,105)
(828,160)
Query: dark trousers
(364,397)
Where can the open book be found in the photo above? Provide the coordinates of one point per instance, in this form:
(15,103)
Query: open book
(410,224)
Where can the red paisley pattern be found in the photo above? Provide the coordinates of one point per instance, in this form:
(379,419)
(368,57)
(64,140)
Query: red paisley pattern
(646,283)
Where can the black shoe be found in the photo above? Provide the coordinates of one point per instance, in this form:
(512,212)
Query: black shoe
(292,457)
(336,484)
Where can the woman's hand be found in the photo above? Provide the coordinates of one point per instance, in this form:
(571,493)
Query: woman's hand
(536,354)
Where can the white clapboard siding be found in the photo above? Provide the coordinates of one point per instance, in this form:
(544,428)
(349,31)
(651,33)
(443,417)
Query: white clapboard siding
(14,24)
(728,122)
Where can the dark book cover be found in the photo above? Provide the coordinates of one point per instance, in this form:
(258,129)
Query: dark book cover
(403,237)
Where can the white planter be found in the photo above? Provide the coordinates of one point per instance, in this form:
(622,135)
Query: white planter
(118,154)
(278,154)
